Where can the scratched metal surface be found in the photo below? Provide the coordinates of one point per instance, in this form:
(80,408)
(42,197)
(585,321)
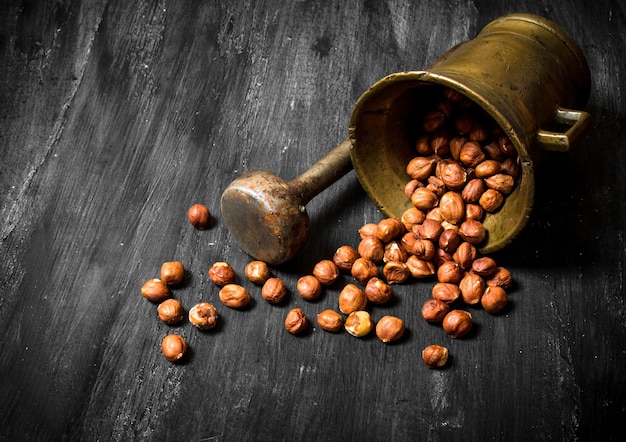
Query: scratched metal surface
(116,116)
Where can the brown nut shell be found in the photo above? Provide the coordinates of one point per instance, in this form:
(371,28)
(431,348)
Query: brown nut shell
(170,311)
(257,272)
(457,323)
(172,272)
(359,323)
(434,310)
(296,321)
(155,290)
(235,296)
(326,272)
(378,291)
(274,291)
(363,270)
(446,292)
(330,320)
(494,300)
(309,287)
(435,356)
(351,298)
(221,273)
(173,347)
(344,257)
(199,216)
(389,328)
(472,288)
(203,316)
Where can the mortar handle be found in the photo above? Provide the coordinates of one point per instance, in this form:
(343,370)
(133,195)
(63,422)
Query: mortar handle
(322,174)
(577,121)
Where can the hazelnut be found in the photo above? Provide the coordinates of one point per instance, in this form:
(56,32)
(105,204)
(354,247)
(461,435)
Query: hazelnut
(434,310)
(221,273)
(449,271)
(456,144)
(440,142)
(494,299)
(351,299)
(472,231)
(371,248)
(446,292)
(172,273)
(463,123)
(484,266)
(452,95)
(389,228)
(235,296)
(471,154)
(420,168)
(420,268)
(493,151)
(422,145)
(433,121)
(203,315)
(430,229)
(500,278)
(441,256)
(170,311)
(436,185)
(472,288)
(309,287)
(363,269)
(396,272)
(491,200)
(449,240)
(452,207)
(359,323)
(424,198)
(410,187)
(344,257)
(464,255)
(326,272)
(274,291)
(368,230)
(173,347)
(330,320)
(506,145)
(473,211)
(155,290)
(457,323)
(473,190)
(501,182)
(411,217)
(295,321)
(395,251)
(389,328)
(488,168)
(435,356)
(199,216)
(452,174)
(435,214)
(478,133)
(378,291)
(510,166)
(257,272)
(423,249)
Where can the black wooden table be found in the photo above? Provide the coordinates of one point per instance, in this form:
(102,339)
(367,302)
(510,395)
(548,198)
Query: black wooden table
(117,116)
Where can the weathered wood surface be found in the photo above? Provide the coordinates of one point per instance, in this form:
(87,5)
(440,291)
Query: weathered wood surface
(116,116)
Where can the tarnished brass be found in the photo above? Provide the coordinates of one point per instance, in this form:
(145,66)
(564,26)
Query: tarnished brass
(523,70)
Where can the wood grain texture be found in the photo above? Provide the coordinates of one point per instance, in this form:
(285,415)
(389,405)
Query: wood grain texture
(117,116)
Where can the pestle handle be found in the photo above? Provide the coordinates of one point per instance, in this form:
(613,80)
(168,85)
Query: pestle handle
(322,174)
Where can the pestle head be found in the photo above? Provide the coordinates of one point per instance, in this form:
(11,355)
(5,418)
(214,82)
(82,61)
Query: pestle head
(265,217)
